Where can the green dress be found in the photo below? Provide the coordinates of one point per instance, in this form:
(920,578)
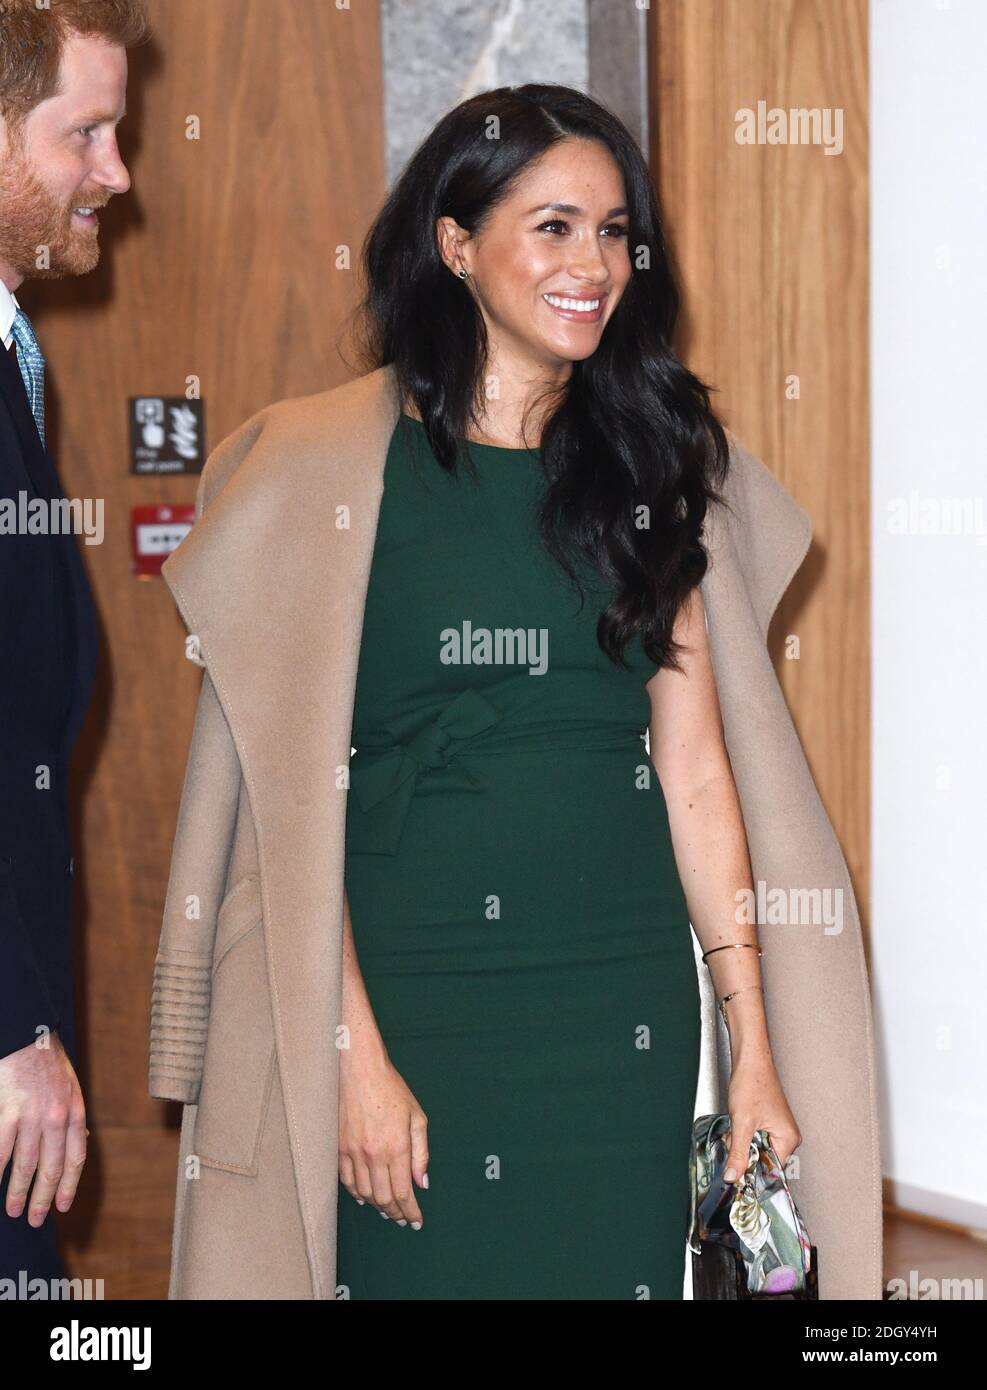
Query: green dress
(517,911)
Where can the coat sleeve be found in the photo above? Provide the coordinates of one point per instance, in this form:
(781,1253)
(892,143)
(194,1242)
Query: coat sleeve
(183,965)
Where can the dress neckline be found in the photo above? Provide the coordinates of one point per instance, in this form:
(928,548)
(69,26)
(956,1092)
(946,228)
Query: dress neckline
(472,444)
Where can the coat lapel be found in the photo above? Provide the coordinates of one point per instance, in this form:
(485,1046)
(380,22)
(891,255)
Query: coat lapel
(273,580)
(760,539)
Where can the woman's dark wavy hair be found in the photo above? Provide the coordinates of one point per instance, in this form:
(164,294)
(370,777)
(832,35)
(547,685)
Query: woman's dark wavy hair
(632,427)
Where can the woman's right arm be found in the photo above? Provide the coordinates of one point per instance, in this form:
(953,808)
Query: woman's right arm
(383,1131)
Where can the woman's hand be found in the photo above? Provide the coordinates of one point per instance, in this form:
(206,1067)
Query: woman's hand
(756,1101)
(383,1131)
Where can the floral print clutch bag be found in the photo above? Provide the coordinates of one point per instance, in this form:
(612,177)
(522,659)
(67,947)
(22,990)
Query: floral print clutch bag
(747,1238)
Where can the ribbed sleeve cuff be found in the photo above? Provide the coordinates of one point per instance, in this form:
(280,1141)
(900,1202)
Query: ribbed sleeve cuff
(179,1023)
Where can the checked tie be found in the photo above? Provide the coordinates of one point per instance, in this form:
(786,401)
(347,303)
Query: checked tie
(32,365)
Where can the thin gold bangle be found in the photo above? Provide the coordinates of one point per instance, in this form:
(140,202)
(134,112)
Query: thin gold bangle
(750,945)
(727,997)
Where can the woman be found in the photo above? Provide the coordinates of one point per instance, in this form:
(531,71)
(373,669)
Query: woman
(519,983)
(480,565)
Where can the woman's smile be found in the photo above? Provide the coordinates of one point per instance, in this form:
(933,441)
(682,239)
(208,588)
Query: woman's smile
(567,306)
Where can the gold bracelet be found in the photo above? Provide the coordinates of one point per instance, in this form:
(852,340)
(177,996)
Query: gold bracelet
(726,999)
(752,946)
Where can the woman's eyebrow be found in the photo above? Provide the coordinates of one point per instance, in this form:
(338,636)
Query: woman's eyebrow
(570,208)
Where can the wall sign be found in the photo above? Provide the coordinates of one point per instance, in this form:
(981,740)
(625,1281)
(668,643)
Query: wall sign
(155,531)
(167,434)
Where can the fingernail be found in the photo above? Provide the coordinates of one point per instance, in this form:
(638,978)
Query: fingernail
(416,1225)
(385,1216)
(730,1175)
(361,1202)
(424,1180)
(402,1223)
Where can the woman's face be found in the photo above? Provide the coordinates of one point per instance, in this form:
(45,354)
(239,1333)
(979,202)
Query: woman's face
(560,236)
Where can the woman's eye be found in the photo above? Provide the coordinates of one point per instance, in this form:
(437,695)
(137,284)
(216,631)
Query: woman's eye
(617,227)
(86,130)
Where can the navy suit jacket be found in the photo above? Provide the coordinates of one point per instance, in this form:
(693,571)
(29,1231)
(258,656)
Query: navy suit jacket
(48,635)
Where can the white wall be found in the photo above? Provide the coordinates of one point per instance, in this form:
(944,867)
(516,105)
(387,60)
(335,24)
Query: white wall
(929,644)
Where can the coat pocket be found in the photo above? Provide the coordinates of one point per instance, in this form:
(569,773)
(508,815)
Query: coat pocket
(238,1069)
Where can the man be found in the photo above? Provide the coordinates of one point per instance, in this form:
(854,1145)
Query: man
(63,77)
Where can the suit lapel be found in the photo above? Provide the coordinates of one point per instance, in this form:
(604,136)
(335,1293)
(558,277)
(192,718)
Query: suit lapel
(32,453)
(42,482)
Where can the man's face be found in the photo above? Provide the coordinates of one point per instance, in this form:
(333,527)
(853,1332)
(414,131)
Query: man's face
(65,157)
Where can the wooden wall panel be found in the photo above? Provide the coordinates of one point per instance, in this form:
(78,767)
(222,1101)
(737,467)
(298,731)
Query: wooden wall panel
(771,243)
(219,263)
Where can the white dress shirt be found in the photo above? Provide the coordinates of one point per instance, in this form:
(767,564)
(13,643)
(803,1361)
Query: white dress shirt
(8,312)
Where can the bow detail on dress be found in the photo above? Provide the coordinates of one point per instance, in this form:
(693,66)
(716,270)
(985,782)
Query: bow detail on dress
(383,780)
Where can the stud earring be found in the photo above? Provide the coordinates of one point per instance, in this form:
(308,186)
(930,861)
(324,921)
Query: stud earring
(464,275)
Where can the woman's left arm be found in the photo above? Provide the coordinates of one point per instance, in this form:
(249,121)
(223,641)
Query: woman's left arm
(710,843)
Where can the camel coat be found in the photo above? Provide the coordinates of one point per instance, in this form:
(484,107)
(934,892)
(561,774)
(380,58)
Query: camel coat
(271,583)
